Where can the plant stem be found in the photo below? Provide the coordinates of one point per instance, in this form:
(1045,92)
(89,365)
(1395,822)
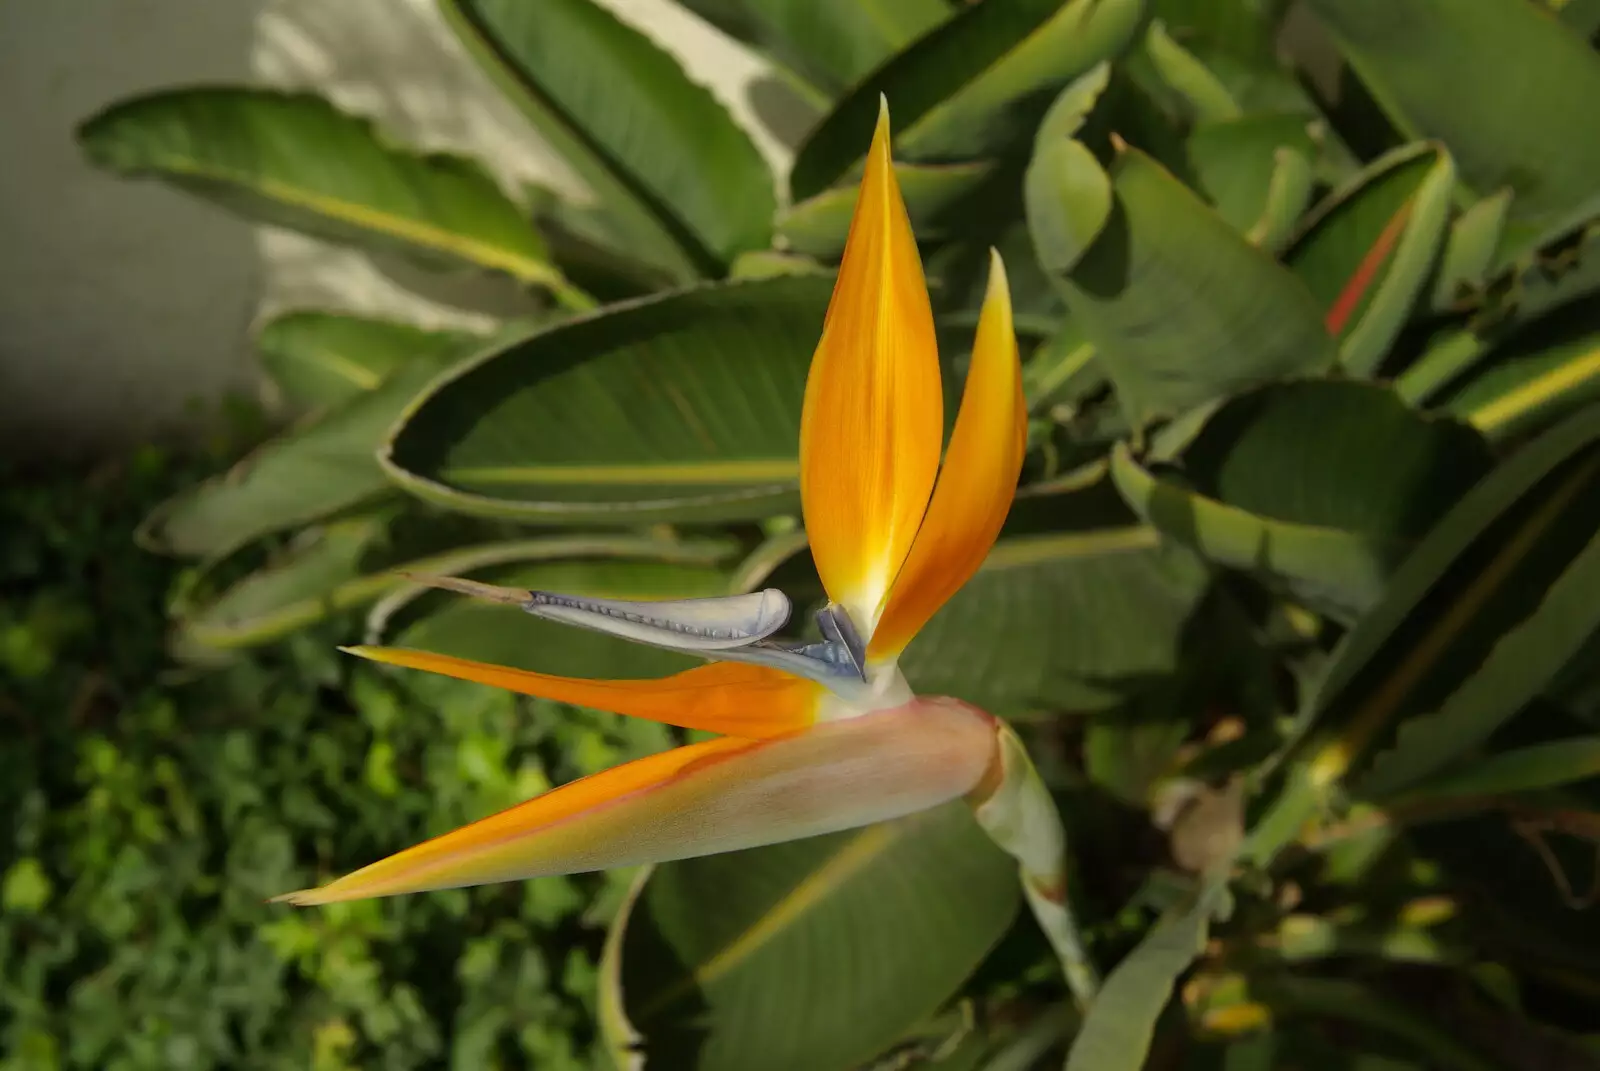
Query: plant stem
(1021,817)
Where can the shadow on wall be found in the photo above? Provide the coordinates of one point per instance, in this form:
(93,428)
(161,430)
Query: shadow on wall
(112,294)
(124,303)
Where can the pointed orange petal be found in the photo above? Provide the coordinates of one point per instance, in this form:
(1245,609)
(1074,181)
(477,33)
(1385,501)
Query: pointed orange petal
(718,796)
(874,416)
(976,485)
(722,697)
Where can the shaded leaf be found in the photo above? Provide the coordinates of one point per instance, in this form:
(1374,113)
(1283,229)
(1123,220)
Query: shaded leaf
(324,358)
(1206,98)
(682,183)
(685,405)
(813,955)
(1469,251)
(1475,624)
(1553,281)
(968,87)
(1438,69)
(1117,1032)
(295,160)
(1066,621)
(1180,308)
(307,473)
(1320,486)
(1069,200)
(1235,161)
(1524,769)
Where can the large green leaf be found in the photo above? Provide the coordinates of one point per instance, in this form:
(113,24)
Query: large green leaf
(1475,624)
(1321,486)
(685,405)
(1443,69)
(832,44)
(1180,308)
(324,358)
(970,87)
(818,226)
(295,160)
(1121,1023)
(1368,249)
(813,955)
(308,472)
(351,564)
(683,183)
(1079,620)
(449,624)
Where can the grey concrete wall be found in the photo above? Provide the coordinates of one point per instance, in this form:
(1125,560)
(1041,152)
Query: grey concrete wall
(122,303)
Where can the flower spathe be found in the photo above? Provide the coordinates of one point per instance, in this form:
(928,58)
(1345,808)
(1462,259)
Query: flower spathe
(894,533)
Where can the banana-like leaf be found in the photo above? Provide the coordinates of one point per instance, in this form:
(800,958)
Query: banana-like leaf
(309,472)
(295,160)
(1439,69)
(349,565)
(1527,387)
(818,227)
(1475,624)
(1180,308)
(684,186)
(1081,621)
(1236,162)
(449,624)
(1368,249)
(325,358)
(815,955)
(1322,487)
(1116,1034)
(969,87)
(681,406)
(831,44)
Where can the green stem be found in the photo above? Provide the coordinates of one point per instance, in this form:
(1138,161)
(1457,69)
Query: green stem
(571,297)
(1021,817)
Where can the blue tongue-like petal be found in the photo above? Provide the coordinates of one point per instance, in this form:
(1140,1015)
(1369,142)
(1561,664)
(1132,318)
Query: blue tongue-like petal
(734,628)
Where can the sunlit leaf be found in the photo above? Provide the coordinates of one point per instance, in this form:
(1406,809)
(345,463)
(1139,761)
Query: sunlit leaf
(1180,308)
(680,406)
(974,84)
(684,184)
(293,159)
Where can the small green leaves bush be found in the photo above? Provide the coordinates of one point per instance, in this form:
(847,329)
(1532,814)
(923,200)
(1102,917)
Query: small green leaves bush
(151,813)
(1297,604)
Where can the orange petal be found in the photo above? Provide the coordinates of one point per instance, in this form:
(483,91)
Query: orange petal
(717,796)
(976,485)
(723,697)
(874,415)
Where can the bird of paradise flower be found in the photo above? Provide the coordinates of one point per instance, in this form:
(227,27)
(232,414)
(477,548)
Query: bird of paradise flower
(815,737)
